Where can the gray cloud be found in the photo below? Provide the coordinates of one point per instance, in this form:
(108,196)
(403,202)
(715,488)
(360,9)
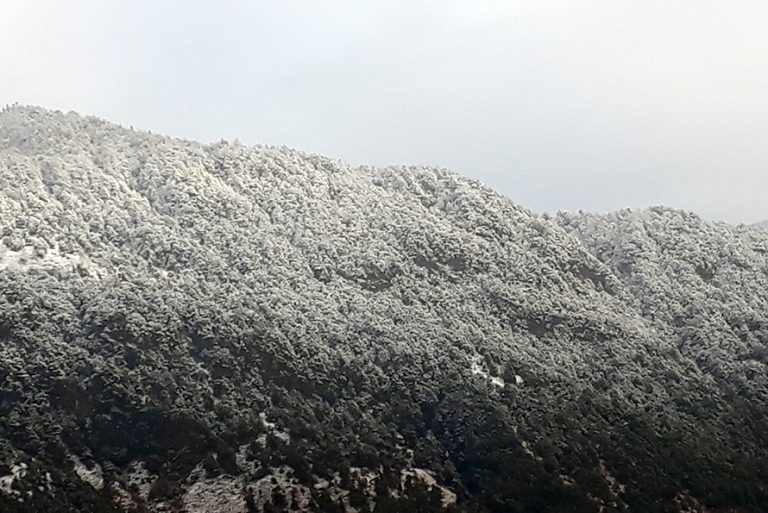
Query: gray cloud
(595,105)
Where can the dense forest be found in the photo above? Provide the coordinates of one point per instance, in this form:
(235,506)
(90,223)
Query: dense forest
(225,328)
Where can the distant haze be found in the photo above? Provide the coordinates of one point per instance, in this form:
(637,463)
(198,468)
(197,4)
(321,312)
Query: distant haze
(593,105)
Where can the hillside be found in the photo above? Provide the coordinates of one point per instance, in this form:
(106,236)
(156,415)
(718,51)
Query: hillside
(226,328)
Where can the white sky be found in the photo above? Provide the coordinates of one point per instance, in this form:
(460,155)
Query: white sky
(565,105)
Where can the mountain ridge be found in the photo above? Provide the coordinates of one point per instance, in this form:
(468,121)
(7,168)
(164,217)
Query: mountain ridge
(213,318)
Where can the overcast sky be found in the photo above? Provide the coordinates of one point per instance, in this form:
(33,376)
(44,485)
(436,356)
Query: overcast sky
(593,105)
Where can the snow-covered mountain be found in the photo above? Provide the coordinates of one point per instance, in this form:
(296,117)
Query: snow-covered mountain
(224,328)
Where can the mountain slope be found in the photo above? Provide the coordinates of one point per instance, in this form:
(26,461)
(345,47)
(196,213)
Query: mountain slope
(229,328)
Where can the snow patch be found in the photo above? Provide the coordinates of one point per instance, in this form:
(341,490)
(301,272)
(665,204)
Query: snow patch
(132,491)
(18,471)
(686,503)
(527,448)
(220,494)
(496,381)
(93,476)
(272,428)
(141,478)
(29,257)
(448,497)
(479,368)
(280,479)
(241,459)
(616,487)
